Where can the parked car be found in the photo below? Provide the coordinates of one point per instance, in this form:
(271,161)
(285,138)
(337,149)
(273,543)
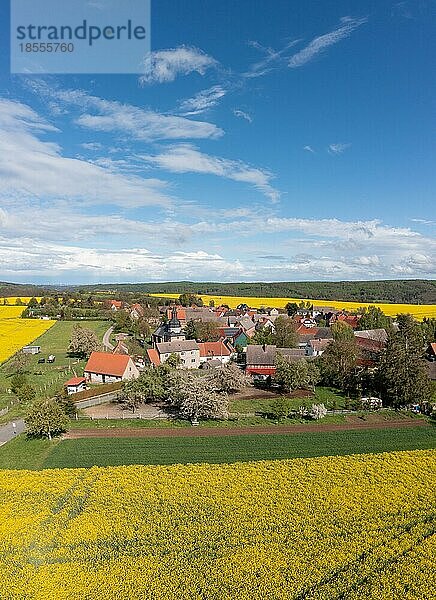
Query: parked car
(51,358)
(41,361)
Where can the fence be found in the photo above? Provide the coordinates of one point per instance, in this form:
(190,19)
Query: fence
(96,400)
(4,411)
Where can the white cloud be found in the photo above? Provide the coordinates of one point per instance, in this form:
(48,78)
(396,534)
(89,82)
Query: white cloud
(162,66)
(272,60)
(31,167)
(124,119)
(185,158)
(309,149)
(338,148)
(203,101)
(321,43)
(242,115)
(27,258)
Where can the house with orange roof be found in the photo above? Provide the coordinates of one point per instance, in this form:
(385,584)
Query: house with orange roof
(153,357)
(215,351)
(136,311)
(103,367)
(75,385)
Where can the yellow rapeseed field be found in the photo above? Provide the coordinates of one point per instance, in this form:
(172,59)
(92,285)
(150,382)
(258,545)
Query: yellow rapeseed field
(16,333)
(419,311)
(12,299)
(356,527)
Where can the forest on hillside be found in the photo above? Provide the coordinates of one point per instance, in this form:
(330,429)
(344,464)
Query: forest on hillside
(399,291)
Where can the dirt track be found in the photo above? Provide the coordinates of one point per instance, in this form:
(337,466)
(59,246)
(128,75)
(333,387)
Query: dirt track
(149,432)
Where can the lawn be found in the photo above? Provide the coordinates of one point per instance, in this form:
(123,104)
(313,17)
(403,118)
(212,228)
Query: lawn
(47,379)
(21,453)
(328,396)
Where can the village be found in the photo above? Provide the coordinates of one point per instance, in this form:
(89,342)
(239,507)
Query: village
(270,347)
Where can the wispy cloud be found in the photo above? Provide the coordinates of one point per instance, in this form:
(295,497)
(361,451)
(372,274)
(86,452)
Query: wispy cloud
(163,66)
(31,166)
(309,149)
(337,148)
(137,123)
(272,59)
(242,115)
(321,43)
(203,101)
(185,158)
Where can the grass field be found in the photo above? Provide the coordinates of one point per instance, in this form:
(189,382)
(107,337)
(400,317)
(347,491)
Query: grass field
(419,311)
(48,378)
(34,454)
(349,527)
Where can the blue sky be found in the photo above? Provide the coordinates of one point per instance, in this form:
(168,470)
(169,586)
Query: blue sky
(265,140)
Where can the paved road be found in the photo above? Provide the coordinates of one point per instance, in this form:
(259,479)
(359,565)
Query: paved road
(151,432)
(7,432)
(106,339)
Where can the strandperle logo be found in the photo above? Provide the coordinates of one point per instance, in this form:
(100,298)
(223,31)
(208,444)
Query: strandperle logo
(79,36)
(83,32)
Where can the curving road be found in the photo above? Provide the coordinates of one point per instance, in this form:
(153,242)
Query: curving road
(106,339)
(8,431)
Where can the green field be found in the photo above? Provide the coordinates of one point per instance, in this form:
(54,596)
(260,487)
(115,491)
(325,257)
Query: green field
(31,454)
(47,379)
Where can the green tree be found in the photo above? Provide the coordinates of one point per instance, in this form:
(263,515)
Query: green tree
(83,342)
(341,331)
(207,331)
(373,318)
(26,393)
(280,408)
(285,335)
(33,303)
(339,360)
(19,363)
(403,375)
(295,375)
(45,418)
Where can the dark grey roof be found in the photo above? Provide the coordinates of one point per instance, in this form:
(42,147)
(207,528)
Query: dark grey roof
(266,355)
(177,346)
(261,355)
(323,333)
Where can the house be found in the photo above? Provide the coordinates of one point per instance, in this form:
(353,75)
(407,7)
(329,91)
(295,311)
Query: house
(136,312)
(215,351)
(103,367)
(115,305)
(378,335)
(120,348)
(31,350)
(273,312)
(260,359)
(187,350)
(316,347)
(234,335)
(168,332)
(153,357)
(248,326)
(75,385)
(431,352)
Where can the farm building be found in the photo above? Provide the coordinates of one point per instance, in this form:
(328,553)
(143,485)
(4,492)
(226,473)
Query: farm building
(103,367)
(75,384)
(31,349)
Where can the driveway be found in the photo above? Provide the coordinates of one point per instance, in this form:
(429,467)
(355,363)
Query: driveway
(106,339)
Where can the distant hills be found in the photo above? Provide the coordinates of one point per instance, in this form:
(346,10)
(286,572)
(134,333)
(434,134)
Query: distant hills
(408,291)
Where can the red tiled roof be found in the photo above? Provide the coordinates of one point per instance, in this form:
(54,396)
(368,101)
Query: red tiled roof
(368,344)
(181,314)
(433,347)
(352,320)
(75,381)
(116,303)
(104,363)
(153,356)
(302,330)
(213,349)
